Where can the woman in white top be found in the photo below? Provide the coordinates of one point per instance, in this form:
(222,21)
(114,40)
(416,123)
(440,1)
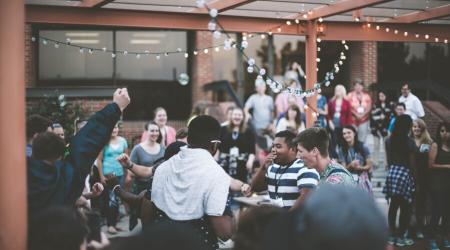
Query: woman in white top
(291,120)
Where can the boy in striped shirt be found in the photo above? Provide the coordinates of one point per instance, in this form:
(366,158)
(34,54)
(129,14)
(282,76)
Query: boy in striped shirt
(283,175)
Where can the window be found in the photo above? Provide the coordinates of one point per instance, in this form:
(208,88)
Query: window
(58,61)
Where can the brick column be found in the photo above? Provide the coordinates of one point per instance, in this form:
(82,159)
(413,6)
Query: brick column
(30,66)
(364,62)
(202,70)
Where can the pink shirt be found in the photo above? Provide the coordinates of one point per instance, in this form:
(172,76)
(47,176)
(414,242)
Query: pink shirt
(360,105)
(283,100)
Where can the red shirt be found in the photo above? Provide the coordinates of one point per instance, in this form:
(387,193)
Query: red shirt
(346,112)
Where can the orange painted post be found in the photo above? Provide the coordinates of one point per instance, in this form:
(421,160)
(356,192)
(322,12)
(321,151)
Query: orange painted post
(311,72)
(13,203)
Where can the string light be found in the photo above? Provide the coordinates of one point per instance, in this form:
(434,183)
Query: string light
(186,55)
(405,33)
(368,25)
(279,29)
(205,51)
(395,31)
(377,27)
(263,36)
(318,40)
(288,22)
(387,29)
(217,34)
(320,19)
(427,36)
(217,49)
(297,21)
(212,25)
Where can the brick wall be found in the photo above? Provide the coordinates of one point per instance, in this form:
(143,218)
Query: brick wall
(363,62)
(202,67)
(30,67)
(435,113)
(129,129)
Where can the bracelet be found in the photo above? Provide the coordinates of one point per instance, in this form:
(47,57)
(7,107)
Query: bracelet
(115,187)
(129,167)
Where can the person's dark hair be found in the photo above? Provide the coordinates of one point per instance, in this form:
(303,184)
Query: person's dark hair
(181,133)
(289,138)
(400,104)
(159,140)
(48,146)
(298,117)
(378,102)
(357,145)
(57,228)
(252,225)
(439,141)
(37,124)
(339,218)
(400,135)
(202,130)
(405,84)
(314,138)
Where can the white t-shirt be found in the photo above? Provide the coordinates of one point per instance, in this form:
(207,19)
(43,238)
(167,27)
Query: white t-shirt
(190,185)
(413,105)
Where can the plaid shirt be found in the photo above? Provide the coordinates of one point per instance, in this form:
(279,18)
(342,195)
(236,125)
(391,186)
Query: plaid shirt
(399,182)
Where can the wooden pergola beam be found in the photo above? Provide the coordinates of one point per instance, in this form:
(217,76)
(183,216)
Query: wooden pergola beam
(94,3)
(222,5)
(340,7)
(149,19)
(419,16)
(351,31)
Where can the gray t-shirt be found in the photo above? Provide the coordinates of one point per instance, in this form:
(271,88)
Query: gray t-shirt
(262,106)
(141,157)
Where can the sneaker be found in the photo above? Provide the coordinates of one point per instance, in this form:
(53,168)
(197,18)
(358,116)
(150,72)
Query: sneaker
(112,230)
(433,245)
(408,241)
(419,235)
(446,243)
(400,242)
(391,240)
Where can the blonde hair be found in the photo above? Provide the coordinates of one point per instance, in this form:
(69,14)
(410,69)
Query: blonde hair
(340,89)
(425,137)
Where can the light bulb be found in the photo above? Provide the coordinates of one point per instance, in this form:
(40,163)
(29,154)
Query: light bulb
(212,25)
(213,13)
(250,69)
(217,34)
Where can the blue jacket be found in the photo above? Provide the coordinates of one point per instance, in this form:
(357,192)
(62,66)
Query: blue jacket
(63,183)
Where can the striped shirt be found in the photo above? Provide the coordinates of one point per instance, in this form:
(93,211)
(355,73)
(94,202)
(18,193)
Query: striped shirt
(285,182)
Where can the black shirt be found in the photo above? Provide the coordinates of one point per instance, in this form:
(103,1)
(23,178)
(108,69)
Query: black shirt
(400,156)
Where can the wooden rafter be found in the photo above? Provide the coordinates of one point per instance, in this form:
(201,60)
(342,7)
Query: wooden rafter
(187,21)
(94,3)
(340,7)
(222,5)
(420,16)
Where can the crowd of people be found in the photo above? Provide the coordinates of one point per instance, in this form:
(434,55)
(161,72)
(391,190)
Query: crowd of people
(180,185)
